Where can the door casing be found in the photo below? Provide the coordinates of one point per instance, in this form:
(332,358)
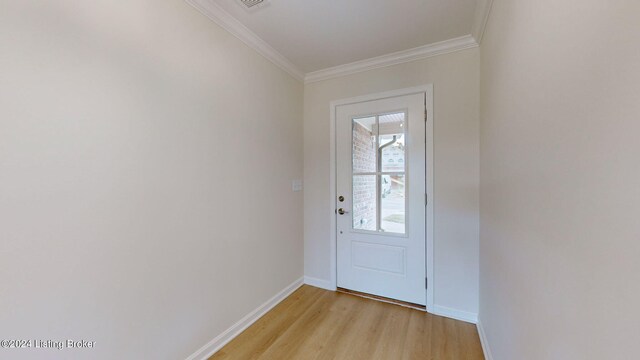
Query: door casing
(429,166)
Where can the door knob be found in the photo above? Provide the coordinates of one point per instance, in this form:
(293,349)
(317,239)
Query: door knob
(342,211)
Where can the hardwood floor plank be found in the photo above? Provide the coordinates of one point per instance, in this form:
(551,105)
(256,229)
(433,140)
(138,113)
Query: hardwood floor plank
(348,310)
(315,324)
(323,343)
(468,334)
(417,343)
(394,332)
(452,341)
(292,339)
(263,333)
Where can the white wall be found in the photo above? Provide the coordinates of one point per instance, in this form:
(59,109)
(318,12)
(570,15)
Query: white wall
(560,175)
(146,159)
(456,83)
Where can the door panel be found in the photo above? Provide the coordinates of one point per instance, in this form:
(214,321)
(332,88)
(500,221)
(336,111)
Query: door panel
(381,177)
(385,258)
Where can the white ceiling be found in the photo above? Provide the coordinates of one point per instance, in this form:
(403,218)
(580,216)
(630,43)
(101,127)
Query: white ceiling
(319,34)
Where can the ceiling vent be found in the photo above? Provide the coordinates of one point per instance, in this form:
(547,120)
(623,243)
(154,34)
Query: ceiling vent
(253,4)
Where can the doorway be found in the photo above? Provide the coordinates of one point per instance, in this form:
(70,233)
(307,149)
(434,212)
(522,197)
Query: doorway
(383,179)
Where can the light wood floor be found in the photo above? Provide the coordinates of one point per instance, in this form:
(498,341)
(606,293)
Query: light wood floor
(317,324)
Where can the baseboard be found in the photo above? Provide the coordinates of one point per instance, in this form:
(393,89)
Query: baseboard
(221,340)
(483,340)
(319,283)
(455,314)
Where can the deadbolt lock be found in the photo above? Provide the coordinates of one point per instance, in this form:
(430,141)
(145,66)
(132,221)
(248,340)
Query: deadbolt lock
(341,198)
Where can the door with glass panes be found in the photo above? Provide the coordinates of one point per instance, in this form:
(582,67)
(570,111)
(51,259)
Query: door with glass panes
(380,200)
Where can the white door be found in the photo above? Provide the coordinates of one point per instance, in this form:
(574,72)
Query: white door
(380,200)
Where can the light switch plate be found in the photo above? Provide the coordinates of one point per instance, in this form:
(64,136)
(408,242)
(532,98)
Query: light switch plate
(296,185)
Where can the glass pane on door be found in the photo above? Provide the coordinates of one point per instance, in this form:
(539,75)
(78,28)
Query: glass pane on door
(365,202)
(364,145)
(392,140)
(393,204)
(379,167)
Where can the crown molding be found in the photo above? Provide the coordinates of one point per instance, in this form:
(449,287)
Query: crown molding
(221,17)
(421,52)
(214,12)
(481,19)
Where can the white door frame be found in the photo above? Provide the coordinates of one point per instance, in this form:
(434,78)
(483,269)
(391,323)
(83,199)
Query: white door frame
(428,90)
